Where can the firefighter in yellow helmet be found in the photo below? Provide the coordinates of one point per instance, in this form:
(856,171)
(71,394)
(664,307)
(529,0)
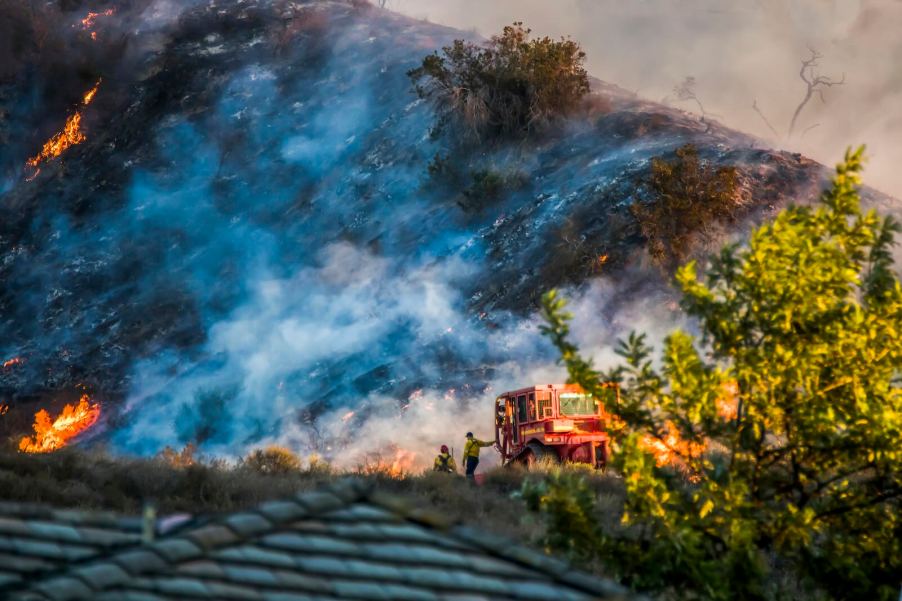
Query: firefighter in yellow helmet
(471,454)
(444,462)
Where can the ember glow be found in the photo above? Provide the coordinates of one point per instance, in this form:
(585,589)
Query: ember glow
(69,136)
(13,362)
(72,421)
(88,22)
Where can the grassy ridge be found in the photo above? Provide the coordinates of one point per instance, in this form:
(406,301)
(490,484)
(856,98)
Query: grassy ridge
(75,478)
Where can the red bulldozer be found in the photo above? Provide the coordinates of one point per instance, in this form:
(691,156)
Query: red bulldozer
(552,421)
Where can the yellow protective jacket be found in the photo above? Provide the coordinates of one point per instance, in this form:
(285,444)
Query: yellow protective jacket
(472,446)
(444,463)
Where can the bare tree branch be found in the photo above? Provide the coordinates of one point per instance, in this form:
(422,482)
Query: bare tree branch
(809,128)
(763,118)
(814,85)
(686,91)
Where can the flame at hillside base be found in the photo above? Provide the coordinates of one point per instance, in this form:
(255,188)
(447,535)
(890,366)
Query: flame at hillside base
(670,449)
(13,362)
(72,421)
(400,463)
(69,136)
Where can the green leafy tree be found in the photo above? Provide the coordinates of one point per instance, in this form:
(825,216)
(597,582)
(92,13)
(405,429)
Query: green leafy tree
(786,416)
(508,86)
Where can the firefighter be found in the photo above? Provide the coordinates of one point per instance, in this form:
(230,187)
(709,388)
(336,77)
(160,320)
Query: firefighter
(445,462)
(471,454)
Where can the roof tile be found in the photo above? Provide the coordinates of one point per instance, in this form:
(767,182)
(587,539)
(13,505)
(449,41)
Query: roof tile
(314,583)
(106,537)
(256,555)
(10,525)
(406,593)
(361,590)
(406,532)
(139,560)
(33,548)
(23,563)
(248,524)
(375,571)
(211,536)
(356,531)
(282,511)
(49,530)
(64,589)
(102,575)
(358,513)
(540,591)
(250,575)
(7,578)
(309,543)
(283,596)
(222,590)
(176,549)
(322,565)
(182,587)
(120,595)
(318,502)
(204,568)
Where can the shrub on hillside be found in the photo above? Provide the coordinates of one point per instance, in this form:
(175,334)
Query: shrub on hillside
(272,460)
(689,195)
(787,424)
(508,86)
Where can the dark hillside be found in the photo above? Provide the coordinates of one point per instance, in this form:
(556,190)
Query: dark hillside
(251,239)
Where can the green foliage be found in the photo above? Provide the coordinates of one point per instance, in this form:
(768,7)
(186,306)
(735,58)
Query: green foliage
(508,86)
(566,503)
(688,196)
(803,336)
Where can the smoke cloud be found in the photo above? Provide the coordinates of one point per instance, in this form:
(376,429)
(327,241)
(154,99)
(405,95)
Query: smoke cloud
(738,52)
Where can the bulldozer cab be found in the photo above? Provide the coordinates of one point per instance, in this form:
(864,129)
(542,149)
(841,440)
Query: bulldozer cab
(546,414)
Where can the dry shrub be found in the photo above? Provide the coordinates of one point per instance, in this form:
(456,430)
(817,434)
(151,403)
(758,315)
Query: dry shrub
(509,86)
(272,460)
(179,459)
(690,196)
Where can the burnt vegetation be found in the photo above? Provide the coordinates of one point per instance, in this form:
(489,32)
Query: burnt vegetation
(689,195)
(508,87)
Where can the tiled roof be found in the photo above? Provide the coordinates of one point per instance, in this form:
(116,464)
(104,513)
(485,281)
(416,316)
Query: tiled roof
(346,542)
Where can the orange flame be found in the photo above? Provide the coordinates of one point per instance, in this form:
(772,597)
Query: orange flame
(400,464)
(13,362)
(669,449)
(72,421)
(70,136)
(88,21)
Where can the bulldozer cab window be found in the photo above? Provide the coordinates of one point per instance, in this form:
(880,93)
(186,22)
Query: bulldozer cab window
(546,409)
(521,409)
(575,403)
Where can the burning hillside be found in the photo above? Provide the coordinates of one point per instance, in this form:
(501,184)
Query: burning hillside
(253,236)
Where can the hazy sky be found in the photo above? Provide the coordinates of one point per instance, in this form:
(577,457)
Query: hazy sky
(739,51)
